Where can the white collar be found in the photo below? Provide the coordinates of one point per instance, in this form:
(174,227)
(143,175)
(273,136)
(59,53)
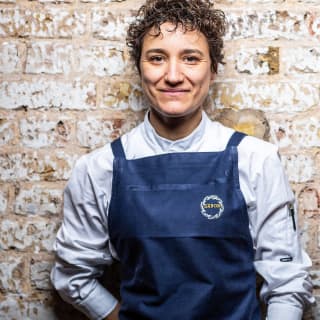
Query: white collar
(188,143)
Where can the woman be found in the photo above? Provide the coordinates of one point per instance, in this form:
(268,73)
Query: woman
(190,208)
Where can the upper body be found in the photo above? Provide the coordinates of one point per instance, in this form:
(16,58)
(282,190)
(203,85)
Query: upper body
(177,46)
(83,245)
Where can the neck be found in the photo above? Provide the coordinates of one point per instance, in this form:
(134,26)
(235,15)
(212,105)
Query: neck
(174,128)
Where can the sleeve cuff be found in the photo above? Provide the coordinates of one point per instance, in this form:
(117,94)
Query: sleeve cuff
(278,311)
(98,304)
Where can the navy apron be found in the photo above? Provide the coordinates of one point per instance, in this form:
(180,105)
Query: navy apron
(179,224)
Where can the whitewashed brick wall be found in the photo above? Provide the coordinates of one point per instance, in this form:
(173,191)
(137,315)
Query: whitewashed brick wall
(67,87)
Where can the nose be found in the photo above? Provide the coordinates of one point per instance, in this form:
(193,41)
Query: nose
(174,74)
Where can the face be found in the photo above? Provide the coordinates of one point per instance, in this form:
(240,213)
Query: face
(175,71)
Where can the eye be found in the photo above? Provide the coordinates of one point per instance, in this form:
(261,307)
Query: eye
(157,59)
(191,59)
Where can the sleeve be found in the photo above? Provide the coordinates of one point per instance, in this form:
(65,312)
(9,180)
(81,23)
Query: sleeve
(279,258)
(82,243)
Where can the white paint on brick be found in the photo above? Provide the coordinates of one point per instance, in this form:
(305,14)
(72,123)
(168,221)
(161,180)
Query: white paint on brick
(106,25)
(42,311)
(123,96)
(38,234)
(10,59)
(297,133)
(301,60)
(36,167)
(11,275)
(49,57)
(37,133)
(51,22)
(40,275)
(271,24)
(46,93)
(6,132)
(299,167)
(38,201)
(11,309)
(92,132)
(246,61)
(100,60)
(3,201)
(275,97)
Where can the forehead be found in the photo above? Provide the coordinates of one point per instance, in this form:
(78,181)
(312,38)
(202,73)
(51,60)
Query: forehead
(175,37)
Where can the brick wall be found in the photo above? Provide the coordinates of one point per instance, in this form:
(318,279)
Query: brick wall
(67,87)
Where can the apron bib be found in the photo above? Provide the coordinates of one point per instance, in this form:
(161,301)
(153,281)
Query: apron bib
(180,227)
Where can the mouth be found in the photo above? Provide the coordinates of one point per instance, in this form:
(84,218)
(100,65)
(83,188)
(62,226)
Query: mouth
(174,92)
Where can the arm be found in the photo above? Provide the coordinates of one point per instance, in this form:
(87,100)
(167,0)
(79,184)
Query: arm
(82,243)
(279,257)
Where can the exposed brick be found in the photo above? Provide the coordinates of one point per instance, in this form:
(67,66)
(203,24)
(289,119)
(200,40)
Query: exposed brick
(258,61)
(37,235)
(46,94)
(41,132)
(39,200)
(274,97)
(302,132)
(34,166)
(49,57)
(94,132)
(48,23)
(124,95)
(299,167)
(251,122)
(3,199)
(301,60)
(270,24)
(10,58)
(40,274)
(12,275)
(100,60)
(107,25)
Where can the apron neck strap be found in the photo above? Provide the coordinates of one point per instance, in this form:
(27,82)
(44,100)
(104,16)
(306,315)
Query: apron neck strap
(235,139)
(117,149)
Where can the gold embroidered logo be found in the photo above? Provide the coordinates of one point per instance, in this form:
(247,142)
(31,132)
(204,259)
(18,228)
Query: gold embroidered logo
(211,207)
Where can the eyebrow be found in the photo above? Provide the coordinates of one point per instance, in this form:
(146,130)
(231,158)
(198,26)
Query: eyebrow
(185,51)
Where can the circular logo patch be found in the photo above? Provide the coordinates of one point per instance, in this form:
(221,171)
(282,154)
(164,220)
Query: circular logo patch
(211,207)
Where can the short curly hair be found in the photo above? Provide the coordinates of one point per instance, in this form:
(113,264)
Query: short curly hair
(189,14)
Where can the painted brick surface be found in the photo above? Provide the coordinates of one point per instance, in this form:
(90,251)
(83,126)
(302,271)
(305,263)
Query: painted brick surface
(49,57)
(67,87)
(10,57)
(38,200)
(48,23)
(37,235)
(302,60)
(100,60)
(41,132)
(46,93)
(269,97)
(35,166)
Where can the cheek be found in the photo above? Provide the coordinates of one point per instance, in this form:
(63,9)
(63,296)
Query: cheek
(150,75)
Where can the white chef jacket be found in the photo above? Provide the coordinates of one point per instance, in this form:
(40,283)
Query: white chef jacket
(83,247)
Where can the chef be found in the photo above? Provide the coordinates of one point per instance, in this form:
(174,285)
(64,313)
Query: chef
(191,209)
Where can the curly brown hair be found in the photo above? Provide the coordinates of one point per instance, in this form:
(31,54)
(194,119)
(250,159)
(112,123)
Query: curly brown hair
(189,14)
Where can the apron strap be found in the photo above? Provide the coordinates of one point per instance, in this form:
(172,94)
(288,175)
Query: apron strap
(235,139)
(117,149)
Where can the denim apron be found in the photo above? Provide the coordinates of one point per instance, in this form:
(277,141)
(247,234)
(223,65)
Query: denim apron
(180,227)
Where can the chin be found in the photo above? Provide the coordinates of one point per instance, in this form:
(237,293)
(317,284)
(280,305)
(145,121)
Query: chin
(175,111)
